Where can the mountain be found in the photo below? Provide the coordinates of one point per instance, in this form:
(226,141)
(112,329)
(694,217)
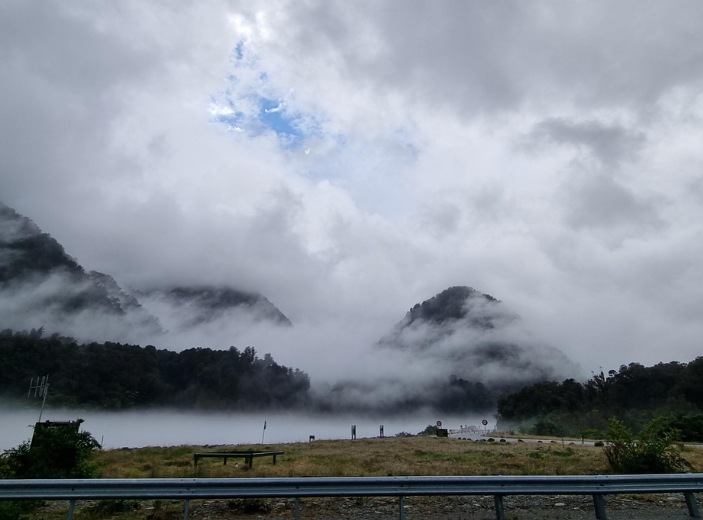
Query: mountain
(453,310)
(480,336)
(42,286)
(456,352)
(193,306)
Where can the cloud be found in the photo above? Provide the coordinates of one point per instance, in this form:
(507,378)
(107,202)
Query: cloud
(115,140)
(610,143)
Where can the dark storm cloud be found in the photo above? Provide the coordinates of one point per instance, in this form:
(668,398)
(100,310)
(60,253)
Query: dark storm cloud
(482,57)
(610,143)
(598,201)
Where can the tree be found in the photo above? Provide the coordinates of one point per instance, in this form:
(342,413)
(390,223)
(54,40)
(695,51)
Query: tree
(651,453)
(53,453)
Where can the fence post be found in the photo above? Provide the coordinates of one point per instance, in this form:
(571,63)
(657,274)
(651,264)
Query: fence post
(185,509)
(296,511)
(401,503)
(599,503)
(500,512)
(71,507)
(691,503)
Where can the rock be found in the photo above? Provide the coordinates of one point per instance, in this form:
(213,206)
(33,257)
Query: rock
(559,504)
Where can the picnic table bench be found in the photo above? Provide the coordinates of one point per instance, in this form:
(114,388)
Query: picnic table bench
(247,455)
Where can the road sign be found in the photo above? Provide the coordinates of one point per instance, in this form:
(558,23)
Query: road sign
(484,422)
(439,424)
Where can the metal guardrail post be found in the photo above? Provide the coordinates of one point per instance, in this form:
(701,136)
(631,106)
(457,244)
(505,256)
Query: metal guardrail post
(599,504)
(71,507)
(185,509)
(401,505)
(500,511)
(691,503)
(296,510)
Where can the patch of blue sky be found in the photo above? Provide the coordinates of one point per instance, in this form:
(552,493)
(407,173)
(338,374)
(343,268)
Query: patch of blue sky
(405,139)
(234,119)
(273,114)
(239,50)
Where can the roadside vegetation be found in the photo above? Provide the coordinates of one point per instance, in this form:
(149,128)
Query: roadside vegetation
(669,393)
(393,456)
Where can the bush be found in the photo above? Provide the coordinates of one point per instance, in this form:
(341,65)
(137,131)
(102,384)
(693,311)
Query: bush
(591,433)
(689,425)
(106,508)
(53,453)
(652,453)
(547,427)
(430,430)
(12,510)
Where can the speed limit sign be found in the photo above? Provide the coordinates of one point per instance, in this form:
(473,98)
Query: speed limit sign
(439,424)
(484,422)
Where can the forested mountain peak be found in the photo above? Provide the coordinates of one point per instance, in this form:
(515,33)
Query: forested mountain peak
(201,304)
(26,252)
(42,286)
(456,303)
(458,308)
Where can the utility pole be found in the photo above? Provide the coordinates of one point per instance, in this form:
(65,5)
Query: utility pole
(41,388)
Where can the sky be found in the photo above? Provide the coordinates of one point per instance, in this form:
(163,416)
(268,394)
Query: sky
(350,159)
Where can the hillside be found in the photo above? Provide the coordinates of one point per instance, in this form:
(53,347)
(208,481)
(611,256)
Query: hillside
(481,338)
(473,349)
(121,376)
(42,286)
(672,392)
(192,306)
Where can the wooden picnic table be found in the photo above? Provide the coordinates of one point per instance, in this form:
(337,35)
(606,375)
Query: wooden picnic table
(247,455)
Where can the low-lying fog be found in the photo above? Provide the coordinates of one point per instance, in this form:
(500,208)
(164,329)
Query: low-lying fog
(169,428)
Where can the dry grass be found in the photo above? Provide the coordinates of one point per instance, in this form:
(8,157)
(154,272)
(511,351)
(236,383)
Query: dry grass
(364,457)
(370,457)
(509,435)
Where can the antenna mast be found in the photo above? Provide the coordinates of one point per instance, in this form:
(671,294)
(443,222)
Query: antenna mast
(41,388)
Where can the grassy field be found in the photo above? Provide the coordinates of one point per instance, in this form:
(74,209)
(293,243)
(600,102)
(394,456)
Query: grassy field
(370,457)
(363,457)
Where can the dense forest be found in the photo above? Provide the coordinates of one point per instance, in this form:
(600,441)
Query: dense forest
(636,394)
(120,376)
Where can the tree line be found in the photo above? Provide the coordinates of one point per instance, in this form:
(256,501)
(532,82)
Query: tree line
(635,394)
(120,376)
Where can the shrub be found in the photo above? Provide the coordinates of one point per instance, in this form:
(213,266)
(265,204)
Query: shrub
(652,453)
(107,508)
(547,427)
(689,425)
(591,433)
(248,506)
(430,430)
(54,453)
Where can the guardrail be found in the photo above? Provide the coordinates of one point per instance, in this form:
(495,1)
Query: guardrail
(499,486)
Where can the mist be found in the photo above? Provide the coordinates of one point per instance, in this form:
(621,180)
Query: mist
(168,428)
